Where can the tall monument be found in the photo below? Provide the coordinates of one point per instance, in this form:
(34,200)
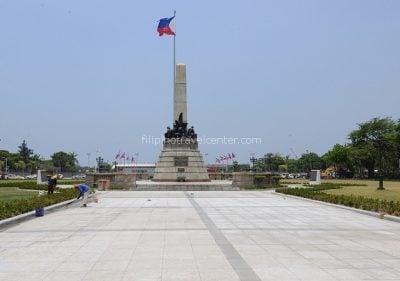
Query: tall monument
(180,159)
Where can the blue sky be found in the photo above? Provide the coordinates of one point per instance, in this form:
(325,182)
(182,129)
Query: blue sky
(94,76)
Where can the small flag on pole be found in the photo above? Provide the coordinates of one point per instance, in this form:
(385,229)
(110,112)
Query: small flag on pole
(123,155)
(233,155)
(117,156)
(164,27)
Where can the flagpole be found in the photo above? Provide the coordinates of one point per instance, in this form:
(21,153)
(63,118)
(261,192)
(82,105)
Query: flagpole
(174,70)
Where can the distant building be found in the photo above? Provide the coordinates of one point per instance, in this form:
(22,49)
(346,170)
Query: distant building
(216,168)
(142,170)
(218,171)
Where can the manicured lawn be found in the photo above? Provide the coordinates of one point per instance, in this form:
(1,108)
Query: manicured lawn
(391,192)
(367,188)
(11,193)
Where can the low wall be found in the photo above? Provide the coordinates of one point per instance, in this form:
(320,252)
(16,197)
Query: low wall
(220,176)
(254,180)
(242,179)
(117,180)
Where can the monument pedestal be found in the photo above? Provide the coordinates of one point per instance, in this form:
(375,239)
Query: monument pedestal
(180,162)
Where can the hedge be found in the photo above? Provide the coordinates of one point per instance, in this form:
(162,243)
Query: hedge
(20,206)
(28,184)
(23,184)
(265,181)
(359,202)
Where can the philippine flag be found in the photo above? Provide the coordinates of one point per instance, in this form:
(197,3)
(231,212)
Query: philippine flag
(164,27)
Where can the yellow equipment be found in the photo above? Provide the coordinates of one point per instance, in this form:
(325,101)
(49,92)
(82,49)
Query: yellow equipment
(329,173)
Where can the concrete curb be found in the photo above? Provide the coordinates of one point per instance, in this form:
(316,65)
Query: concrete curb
(6,223)
(364,212)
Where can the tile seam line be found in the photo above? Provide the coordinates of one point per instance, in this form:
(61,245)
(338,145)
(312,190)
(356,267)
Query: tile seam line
(243,270)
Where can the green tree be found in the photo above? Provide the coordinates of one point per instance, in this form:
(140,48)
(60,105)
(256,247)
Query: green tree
(20,165)
(374,144)
(339,156)
(25,152)
(4,154)
(236,167)
(293,165)
(64,161)
(270,162)
(310,161)
(47,165)
(12,160)
(283,168)
(34,163)
(397,144)
(73,156)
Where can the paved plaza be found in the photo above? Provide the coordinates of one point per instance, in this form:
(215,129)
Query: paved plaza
(201,236)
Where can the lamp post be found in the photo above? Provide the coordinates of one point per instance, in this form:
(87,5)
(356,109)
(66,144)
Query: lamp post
(380,144)
(97,156)
(88,160)
(100,161)
(6,164)
(253,160)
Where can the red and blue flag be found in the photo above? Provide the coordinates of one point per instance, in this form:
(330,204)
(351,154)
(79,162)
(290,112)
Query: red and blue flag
(164,27)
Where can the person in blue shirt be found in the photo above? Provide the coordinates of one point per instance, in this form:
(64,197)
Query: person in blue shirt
(84,191)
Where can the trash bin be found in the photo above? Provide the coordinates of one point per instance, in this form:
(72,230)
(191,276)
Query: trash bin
(106,184)
(39,212)
(103,184)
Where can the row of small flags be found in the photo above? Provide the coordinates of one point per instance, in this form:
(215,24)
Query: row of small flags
(225,157)
(128,158)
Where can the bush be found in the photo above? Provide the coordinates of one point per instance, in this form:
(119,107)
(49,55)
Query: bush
(265,181)
(258,180)
(20,206)
(28,184)
(359,202)
(23,185)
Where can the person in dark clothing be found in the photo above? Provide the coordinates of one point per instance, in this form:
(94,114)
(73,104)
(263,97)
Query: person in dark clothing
(50,185)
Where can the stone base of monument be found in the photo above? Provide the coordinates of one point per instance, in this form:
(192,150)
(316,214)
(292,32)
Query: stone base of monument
(180,162)
(218,185)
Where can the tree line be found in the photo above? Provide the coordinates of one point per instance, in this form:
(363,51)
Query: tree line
(25,160)
(372,151)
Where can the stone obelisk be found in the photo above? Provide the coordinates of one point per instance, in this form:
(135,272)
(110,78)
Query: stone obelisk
(180,102)
(180,159)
